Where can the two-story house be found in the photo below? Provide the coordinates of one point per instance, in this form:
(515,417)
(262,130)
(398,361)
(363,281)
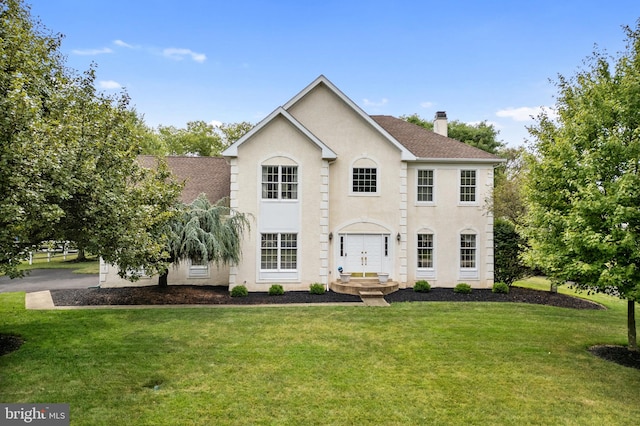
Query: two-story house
(331,188)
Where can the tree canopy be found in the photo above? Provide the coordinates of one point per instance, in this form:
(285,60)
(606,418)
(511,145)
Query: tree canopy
(68,165)
(583,187)
(198,138)
(205,232)
(481,135)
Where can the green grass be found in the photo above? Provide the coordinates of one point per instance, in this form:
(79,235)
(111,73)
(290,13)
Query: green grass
(90,266)
(411,363)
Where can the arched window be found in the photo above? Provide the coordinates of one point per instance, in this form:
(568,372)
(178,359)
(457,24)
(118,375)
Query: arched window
(364,177)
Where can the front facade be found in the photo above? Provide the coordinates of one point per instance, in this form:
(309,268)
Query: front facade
(330,187)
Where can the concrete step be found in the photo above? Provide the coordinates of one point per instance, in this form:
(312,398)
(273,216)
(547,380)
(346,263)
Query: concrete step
(373,298)
(355,286)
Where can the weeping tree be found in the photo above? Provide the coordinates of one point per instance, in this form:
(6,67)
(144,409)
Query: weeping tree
(583,188)
(205,232)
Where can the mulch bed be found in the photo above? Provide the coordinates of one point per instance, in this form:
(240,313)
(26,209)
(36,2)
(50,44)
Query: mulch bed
(215,295)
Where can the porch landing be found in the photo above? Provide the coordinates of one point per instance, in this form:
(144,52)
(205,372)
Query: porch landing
(370,290)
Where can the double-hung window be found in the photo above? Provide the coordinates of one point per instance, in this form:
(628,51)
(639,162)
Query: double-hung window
(425,250)
(279,182)
(279,252)
(468,186)
(425,186)
(468,251)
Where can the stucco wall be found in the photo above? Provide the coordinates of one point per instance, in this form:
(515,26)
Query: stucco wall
(357,144)
(447,218)
(280,142)
(178,275)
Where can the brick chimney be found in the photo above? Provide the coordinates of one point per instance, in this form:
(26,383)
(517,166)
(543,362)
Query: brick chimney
(440,123)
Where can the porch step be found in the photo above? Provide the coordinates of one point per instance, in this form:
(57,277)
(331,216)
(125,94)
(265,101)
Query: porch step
(358,285)
(373,298)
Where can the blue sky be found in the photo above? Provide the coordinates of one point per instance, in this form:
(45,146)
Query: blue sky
(235,60)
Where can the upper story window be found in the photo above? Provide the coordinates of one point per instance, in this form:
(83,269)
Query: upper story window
(279,182)
(365,180)
(425,186)
(468,186)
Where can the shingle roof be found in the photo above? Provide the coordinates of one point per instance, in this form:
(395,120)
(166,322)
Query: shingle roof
(426,144)
(208,175)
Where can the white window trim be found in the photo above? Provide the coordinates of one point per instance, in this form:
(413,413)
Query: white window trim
(426,273)
(279,273)
(279,199)
(468,203)
(364,162)
(469,273)
(199,271)
(433,198)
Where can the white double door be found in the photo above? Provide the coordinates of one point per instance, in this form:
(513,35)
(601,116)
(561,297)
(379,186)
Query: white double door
(364,253)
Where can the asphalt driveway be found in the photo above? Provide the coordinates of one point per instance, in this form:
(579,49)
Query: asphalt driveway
(48,279)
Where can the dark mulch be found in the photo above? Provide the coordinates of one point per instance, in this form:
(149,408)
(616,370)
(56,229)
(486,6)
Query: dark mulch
(9,343)
(215,295)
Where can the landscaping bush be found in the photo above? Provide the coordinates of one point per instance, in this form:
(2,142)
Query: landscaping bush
(276,290)
(500,288)
(239,291)
(422,286)
(462,288)
(316,288)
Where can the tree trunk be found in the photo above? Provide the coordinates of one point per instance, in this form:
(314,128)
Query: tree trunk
(162,279)
(631,325)
(81,256)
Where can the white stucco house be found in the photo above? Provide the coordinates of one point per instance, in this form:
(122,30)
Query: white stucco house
(331,187)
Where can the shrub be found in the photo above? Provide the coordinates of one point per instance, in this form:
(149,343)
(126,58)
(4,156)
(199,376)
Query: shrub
(316,288)
(422,286)
(462,288)
(239,291)
(500,288)
(508,246)
(276,290)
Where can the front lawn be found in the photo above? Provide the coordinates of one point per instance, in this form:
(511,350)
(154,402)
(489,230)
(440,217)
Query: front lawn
(411,363)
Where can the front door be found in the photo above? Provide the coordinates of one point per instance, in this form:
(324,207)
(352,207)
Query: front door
(362,254)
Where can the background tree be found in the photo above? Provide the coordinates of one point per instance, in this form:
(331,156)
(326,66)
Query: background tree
(205,233)
(481,135)
(583,189)
(198,138)
(507,202)
(68,164)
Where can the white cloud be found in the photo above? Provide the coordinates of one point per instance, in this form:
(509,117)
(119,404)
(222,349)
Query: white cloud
(91,51)
(179,54)
(487,122)
(426,104)
(525,113)
(123,44)
(109,84)
(369,103)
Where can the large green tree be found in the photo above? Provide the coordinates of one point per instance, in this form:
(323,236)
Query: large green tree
(481,135)
(68,165)
(33,176)
(198,138)
(583,187)
(205,232)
